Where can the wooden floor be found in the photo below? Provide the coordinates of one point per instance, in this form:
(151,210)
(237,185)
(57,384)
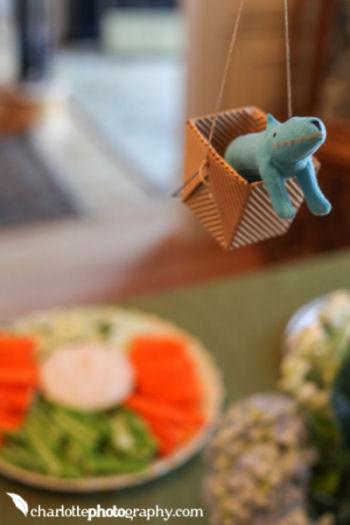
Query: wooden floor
(130,242)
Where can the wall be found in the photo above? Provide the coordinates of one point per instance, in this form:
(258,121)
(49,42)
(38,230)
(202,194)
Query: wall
(257,73)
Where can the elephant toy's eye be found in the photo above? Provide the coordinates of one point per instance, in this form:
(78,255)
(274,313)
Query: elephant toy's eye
(274,135)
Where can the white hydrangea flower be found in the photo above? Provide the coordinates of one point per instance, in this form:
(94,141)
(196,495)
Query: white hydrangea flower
(336,313)
(314,357)
(258,462)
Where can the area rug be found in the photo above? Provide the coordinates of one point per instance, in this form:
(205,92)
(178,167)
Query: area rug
(29,191)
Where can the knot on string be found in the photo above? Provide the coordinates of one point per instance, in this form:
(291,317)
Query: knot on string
(203,172)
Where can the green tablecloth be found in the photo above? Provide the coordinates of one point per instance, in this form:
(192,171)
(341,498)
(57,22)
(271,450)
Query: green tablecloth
(241,322)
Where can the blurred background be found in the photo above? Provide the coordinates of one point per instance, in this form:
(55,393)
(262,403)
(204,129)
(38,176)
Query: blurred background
(94,95)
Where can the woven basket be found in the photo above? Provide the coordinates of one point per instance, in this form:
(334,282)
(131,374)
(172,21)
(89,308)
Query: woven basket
(18,112)
(233,210)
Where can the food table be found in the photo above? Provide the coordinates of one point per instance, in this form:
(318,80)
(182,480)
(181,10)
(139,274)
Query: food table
(241,321)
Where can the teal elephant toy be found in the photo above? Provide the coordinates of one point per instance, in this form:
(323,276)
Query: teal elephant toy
(282,151)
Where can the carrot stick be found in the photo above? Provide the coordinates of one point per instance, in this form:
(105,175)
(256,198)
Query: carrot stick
(182,402)
(12,390)
(16,364)
(157,347)
(171,436)
(182,384)
(16,355)
(181,380)
(10,421)
(16,398)
(12,343)
(166,441)
(155,409)
(22,376)
(177,387)
(167,371)
(164,365)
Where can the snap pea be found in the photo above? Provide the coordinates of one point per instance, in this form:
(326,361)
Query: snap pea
(63,442)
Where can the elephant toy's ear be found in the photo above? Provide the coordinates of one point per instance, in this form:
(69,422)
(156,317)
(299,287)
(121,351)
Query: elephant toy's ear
(271,121)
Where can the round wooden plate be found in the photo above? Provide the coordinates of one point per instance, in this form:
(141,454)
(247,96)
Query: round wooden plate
(130,323)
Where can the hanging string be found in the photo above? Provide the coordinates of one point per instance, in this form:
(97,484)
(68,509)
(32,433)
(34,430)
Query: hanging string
(204,164)
(288,61)
(225,73)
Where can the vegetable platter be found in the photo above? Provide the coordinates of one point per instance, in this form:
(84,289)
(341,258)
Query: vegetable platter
(102,398)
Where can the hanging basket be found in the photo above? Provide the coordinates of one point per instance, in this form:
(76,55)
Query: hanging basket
(233,210)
